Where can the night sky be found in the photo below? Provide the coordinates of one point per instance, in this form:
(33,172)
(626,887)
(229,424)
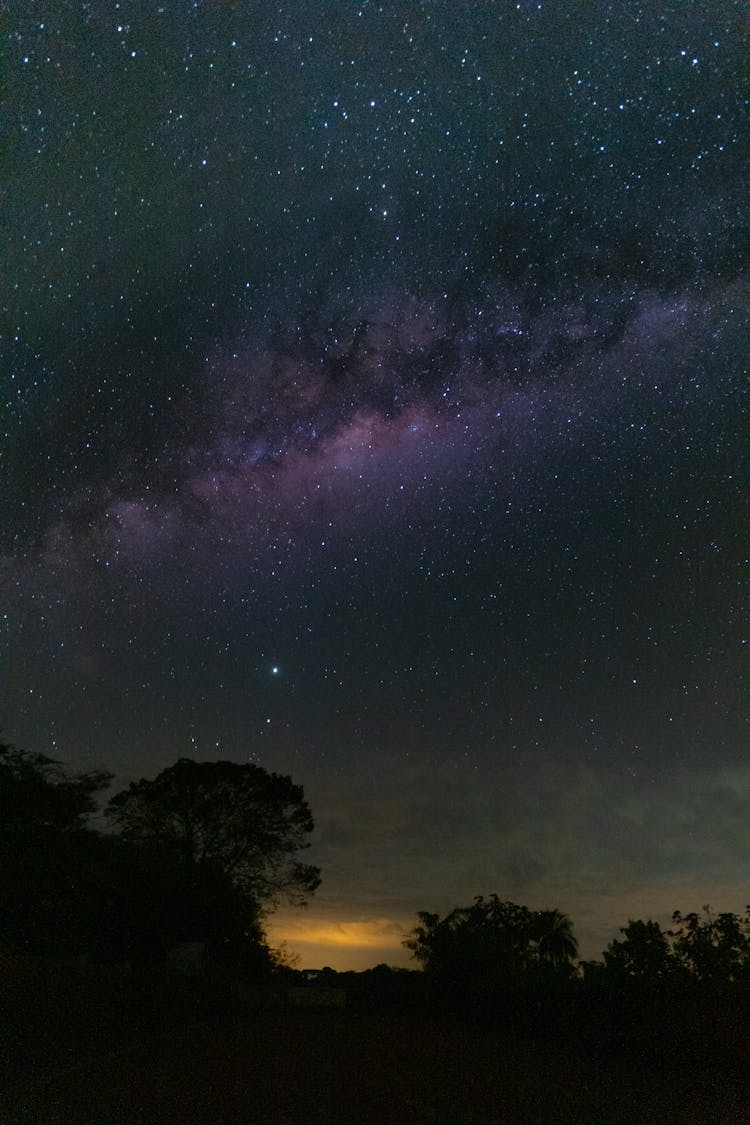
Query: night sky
(374,409)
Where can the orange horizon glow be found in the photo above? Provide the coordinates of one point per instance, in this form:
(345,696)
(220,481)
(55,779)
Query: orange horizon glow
(376,934)
(348,944)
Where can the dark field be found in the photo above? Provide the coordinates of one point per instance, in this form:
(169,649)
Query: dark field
(75,1059)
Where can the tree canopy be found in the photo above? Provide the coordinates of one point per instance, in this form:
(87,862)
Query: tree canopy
(37,794)
(46,849)
(493,943)
(238,819)
(196,854)
(707,947)
(714,948)
(643,954)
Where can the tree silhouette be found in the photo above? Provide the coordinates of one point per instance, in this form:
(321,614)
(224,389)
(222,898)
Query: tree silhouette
(555,942)
(492,945)
(643,954)
(712,948)
(239,820)
(48,853)
(38,795)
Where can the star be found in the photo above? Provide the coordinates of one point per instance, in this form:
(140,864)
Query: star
(471,463)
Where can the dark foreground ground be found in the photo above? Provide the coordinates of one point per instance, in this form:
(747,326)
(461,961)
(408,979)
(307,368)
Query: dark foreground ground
(82,1061)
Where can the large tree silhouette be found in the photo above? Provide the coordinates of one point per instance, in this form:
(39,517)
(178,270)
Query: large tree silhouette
(236,819)
(492,945)
(642,955)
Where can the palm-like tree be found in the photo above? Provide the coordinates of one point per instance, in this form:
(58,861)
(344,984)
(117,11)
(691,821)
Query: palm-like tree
(555,942)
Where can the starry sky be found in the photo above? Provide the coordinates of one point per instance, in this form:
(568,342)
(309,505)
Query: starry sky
(374,409)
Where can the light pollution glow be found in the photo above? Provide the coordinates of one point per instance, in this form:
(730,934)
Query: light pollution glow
(346,945)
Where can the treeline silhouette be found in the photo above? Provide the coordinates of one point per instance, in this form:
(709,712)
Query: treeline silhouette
(199,853)
(147,915)
(203,851)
